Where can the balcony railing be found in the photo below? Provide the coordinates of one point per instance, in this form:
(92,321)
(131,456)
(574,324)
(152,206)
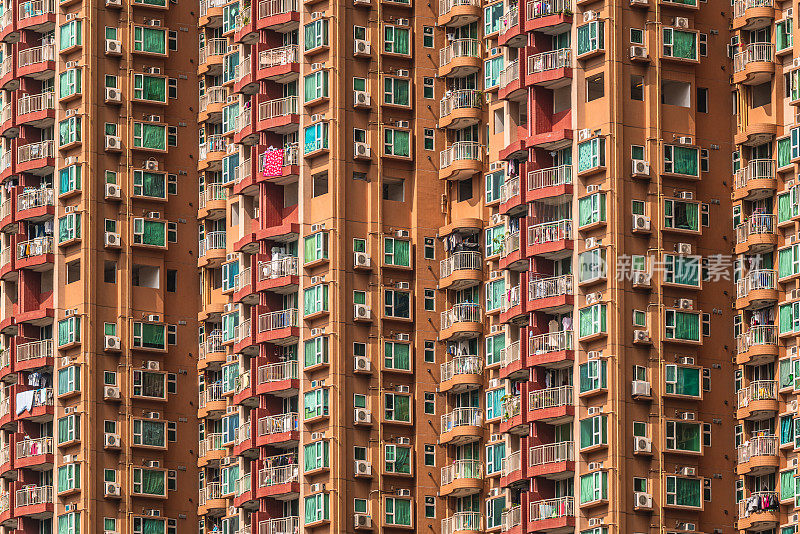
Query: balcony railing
(213,47)
(542,399)
(550,232)
(545,61)
(212,192)
(509,189)
(460,99)
(213,95)
(550,177)
(35,198)
(6,113)
(205,5)
(740,6)
(212,343)
(460,261)
(212,442)
(461,521)
(460,151)
(270,8)
(34,247)
(757,224)
(36,8)
(243,279)
(512,297)
(543,288)
(758,446)
(277,372)
(31,495)
(33,103)
(754,53)
(212,393)
(510,353)
(551,453)
(280,525)
(29,448)
(277,424)
(445,6)
(5,454)
(757,169)
(550,342)
(509,73)
(544,8)
(5,208)
(273,476)
(755,280)
(509,20)
(277,320)
(459,48)
(757,390)
(32,151)
(746,506)
(461,313)
(278,56)
(511,463)
(214,143)
(212,241)
(511,244)
(511,407)
(212,491)
(462,469)
(242,485)
(560,507)
(242,171)
(757,335)
(36,54)
(242,331)
(280,107)
(34,350)
(461,365)
(268,270)
(461,417)
(511,518)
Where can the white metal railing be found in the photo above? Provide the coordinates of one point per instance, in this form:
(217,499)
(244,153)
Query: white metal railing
(5,208)
(213,95)
(34,350)
(243,279)
(550,342)
(460,261)
(30,495)
(459,48)
(461,469)
(214,143)
(277,319)
(509,73)
(541,399)
(280,525)
(756,336)
(461,365)
(5,454)
(559,507)
(277,424)
(242,485)
(511,243)
(460,99)
(550,177)
(6,112)
(205,5)
(212,192)
(5,256)
(460,151)
(5,501)
(758,446)
(550,453)
(461,521)
(511,463)
(510,353)
(268,270)
(278,56)
(241,331)
(212,442)
(757,390)
(445,6)
(461,417)
(754,53)
(212,241)
(35,247)
(36,8)
(550,232)
(554,59)
(29,448)
(31,103)
(211,393)
(7,66)
(461,313)
(276,372)
(270,8)
(511,518)
(282,474)
(740,6)
(243,433)
(5,353)
(212,343)
(212,491)
(542,288)
(35,198)
(509,20)
(756,169)
(756,224)
(509,189)
(511,407)
(36,54)
(242,171)
(32,151)
(280,107)
(755,280)
(544,8)
(512,297)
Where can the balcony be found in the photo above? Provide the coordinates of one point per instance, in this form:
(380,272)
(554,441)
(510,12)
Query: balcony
(212,102)
(553,349)
(211,499)
(757,345)
(552,185)
(36,158)
(551,405)
(461,108)
(552,460)
(211,448)
(755,181)
(279,482)
(278,15)
(37,62)
(552,515)
(462,373)
(510,82)
(461,160)
(511,518)
(34,501)
(758,400)
(756,289)
(755,64)
(462,425)
(511,31)
(279,326)
(461,478)
(551,69)
(279,430)
(551,295)
(279,275)
(210,12)
(34,452)
(279,116)
(757,234)
(460,322)
(758,456)
(460,58)
(37,15)
(512,469)
(549,16)
(755,518)
(511,361)
(752,14)
(511,197)
(211,350)
(35,254)
(212,247)
(279,525)
(456,13)
(279,379)
(36,110)
(461,270)
(34,354)
(513,417)
(469,522)
(210,58)
(551,240)
(35,204)
(212,201)
(279,64)
(211,153)
(211,400)
(243,338)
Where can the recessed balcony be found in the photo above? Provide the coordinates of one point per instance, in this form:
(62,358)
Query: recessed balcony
(282,430)
(210,499)
(278,15)
(551,405)
(758,400)
(462,522)
(511,29)
(757,234)
(37,15)
(211,449)
(552,460)
(756,289)
(36,254)
(279,481)
(211,249)
(279,65)
(552,515)
(35,502)
(37,62)
(279,116)
(757,345)
(550,240)
(755,181)
(552,185)
(755,518)
(36,158)
(510,82)
(211,351)
(755,64)
(210,57)
(279,379)
(36,110)
(552,295)
(553,349)
(279,327)
(36,452)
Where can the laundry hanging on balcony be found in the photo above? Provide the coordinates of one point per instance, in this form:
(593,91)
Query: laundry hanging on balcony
(273,162)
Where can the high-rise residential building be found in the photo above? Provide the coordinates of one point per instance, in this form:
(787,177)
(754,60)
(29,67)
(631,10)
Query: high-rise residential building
(98,267)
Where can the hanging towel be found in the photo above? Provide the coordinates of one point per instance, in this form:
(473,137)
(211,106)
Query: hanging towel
(25,401)
(273,162)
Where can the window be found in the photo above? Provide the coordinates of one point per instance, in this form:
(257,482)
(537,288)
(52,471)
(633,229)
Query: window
(172,40)
(149,184)
(590,37)
(316,403)
(69,179)
(315,351)
(393,189)
(595,87)
(69,131)
(702,44)
(317,508)
(494,183)
(683,326)
(316,247)
(592,265)
(316,137)
(684,270)
(429,455)
(150,88)
(593,375)
(704,162)
(680,44)
(396,91)
(493,18)
(430,403)
(396,252)
(69,331)
(680,380)
(149,335)
(70,35)
(592,320)
(681,215)
(69,379)
(428,138)
(149,384)
(491,72)
(149,481)
(430,300)
(68,429)
(315,85)
(427,40)
(150,40)
(637,36)
(396,142)
(683,436)
(430,507)
(683,491)
(702,100)
(494,403)
(109,272)
(464,190)
(494,514)
(592,209)
(69,523)
(681,160)
(397,356)
(397,304)
(69,83)
(109,378)
(430,352)
(316,455)
(398,511)
(69,477)
(495,454)
(427,87)
(315,299)
(494,348)
(359,84)
(315,34)
(112,81)
(591,154)
(172,280)
(319,184)
(397,407)
(397,459)
(149,136)
(637,87)
(495,294)
(429,249)
(594,487)
(173,88)
(594,431)
(495,236)
(783,34)
(396,40)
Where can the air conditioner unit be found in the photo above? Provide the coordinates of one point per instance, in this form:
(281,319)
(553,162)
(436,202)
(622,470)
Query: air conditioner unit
(361,98)
(584,134)
(685,304)
(111,441)
(594,354)
(154,318)
(592,188)
(683,248)
(590,242)
(688,471)
(363,521)
(593,298)
(641,223)
(594,410)
(363,467)
(402,233)
(595,522)
(688,416)
(686,360)
(317,117)
(403,441)
(362,415)
(362,363)
(641,336)
(686,195)
(151,165)
(113,142)
(113,47)
(640,388)
(404,493)
(111,392)
(361,312)
(113,3)
(112,489)
(402,73)
(112,344)
(113,191)
(641,444)
(361,48)
(593,466)
(402,285)
(153,365)
(153,415)
(361,259)
(112,240)
(681,22)
(153,70)
(589,16)
(641,278)
(638,52)
(402,389)
(640,168)
(316,488)
(402,124)
(113,95)
(153,118)
(361,150)
(642,500)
